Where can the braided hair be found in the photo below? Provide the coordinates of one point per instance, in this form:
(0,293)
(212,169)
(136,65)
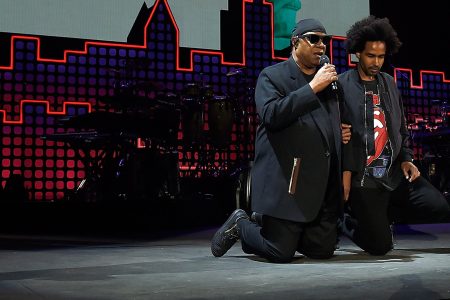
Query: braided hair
(371,29)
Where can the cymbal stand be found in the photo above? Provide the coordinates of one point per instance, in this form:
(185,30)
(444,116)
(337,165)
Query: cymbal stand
(100,167)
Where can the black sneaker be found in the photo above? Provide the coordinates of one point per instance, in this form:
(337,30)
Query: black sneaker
(228,234)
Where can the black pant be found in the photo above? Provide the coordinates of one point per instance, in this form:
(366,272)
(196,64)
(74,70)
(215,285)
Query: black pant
(370,209)
(376,209)
(418,202)
(278,240)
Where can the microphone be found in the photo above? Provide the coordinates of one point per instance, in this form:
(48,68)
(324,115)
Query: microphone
(325,60)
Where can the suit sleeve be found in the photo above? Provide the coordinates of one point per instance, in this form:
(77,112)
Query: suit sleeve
(349,154)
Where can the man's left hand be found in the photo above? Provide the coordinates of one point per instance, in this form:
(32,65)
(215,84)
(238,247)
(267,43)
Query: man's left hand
(410,171)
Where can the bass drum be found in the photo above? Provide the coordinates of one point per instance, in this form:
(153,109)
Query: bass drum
(220,121)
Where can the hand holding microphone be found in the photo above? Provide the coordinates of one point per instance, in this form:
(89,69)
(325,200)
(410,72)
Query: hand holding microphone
(325,60)
(325,76)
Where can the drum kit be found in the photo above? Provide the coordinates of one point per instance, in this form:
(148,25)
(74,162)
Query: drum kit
(440,119)
(108,141)
(119,168)
(432,136)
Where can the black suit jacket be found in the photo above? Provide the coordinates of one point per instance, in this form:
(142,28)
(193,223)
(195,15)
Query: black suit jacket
(294,123)
(355,152)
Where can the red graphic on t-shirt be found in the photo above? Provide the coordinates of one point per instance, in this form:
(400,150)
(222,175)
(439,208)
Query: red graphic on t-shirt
(379,129)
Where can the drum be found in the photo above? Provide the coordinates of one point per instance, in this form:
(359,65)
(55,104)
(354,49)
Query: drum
(207,92)
(243,188)
(192,114)
(220,121)
(191,90)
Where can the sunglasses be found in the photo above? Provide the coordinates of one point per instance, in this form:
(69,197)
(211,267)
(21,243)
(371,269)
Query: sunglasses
(315,38)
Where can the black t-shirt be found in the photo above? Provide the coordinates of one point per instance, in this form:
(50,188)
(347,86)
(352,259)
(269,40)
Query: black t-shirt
(379,156)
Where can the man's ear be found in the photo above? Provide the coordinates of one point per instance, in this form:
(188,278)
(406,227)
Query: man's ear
(295,41)
(358,54)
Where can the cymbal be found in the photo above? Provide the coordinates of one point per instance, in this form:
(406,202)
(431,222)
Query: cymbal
(156,123)
(238,71)
(128,86)
(148,85)
(127,101)
(112,70)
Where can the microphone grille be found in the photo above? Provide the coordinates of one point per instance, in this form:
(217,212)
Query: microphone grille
(324,60)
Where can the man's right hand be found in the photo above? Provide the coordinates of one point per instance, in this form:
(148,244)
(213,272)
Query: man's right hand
(346,132)
(323,78)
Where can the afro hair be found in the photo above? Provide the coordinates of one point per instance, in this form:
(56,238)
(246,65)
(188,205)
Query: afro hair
(371,29)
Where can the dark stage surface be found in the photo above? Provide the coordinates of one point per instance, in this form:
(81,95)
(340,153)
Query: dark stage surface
(160,249)
(178,264)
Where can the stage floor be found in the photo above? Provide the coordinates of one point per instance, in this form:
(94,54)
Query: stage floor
(179,265)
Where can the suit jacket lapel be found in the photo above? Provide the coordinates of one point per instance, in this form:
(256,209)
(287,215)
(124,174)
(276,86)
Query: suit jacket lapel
(317,115)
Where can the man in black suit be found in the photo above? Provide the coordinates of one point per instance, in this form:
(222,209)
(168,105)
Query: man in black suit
(296,185)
